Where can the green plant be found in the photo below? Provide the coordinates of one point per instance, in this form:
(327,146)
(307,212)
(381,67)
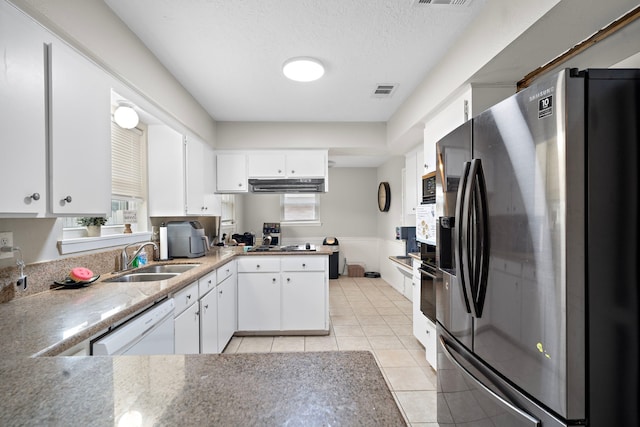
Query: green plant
(92,220)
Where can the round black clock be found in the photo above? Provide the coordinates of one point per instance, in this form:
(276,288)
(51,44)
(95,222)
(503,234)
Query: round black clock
(384,196)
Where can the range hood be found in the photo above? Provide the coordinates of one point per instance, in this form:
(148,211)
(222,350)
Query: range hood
(287,185)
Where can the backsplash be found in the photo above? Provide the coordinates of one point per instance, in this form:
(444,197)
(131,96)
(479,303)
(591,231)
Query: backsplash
(40,276)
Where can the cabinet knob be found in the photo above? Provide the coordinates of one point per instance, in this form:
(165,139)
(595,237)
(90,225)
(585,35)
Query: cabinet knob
(304,265)
(240,185)
(35,196)
(189,296)
(220,292)
(292,171)
(206,306)
(279,170)
(273,280)
(66,199)
(257,265)
(288,279)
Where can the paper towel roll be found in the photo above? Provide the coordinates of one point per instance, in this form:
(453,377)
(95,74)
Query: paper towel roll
(164,247)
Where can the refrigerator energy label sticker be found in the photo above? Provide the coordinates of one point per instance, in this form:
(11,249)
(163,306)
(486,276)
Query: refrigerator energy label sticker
(545,106)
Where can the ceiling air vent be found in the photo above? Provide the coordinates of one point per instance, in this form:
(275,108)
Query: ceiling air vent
(384,90)
(441,2)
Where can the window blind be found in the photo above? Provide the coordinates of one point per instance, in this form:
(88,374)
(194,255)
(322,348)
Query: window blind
(300,207)
(127,177)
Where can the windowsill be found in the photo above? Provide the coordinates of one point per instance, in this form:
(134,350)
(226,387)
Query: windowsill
(83,244)
(301,223)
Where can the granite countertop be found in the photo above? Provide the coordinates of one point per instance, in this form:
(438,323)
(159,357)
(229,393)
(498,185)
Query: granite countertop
(48,323)
(325,388)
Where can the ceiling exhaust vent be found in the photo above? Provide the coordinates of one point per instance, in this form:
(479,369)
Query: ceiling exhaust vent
(384,90)
(441,2)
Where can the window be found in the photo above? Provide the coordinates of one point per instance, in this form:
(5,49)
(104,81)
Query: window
(228,209)
(300,208)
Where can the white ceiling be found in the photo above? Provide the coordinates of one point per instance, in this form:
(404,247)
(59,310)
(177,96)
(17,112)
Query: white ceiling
(228,54)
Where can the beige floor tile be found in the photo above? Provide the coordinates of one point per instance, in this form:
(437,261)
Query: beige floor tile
(233,345)
(287,344)
(402,329)
(385,343)
(324,343)
(377,330)
(370,319)
(365,310)
(390,311)
(408,379)
(411,343)
(255,345)
(353,343)
(395,358)
(341,311)
(344,320)
(418,406)
(399,319)
(420,357)
(381,302)
(348,331)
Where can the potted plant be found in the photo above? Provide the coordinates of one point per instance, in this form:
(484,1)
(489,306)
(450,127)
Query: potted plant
(93,224)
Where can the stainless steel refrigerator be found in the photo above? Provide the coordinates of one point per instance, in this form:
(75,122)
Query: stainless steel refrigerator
(537,296)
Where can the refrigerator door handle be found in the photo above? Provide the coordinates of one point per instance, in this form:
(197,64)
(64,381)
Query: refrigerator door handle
(460,233)
(514,410)
(475,211)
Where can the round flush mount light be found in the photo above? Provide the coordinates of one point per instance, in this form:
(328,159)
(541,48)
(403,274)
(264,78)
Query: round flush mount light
(303,69)
(125,116)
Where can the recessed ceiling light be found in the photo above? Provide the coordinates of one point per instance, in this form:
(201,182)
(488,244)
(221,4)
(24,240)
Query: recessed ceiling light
(303,69)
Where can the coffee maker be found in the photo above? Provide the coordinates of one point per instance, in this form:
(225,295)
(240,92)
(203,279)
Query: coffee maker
(271,233)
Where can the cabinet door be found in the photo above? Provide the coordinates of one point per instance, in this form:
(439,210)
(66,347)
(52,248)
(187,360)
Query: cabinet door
(303,301)
(22,115)
(306,165)
(259,301)
(166,171)
(194,185)
(231,173)
(209,323)
(80,135)
(227,311)
(266,165)
(410,184)
(212,201)
(187,331)
(429,156)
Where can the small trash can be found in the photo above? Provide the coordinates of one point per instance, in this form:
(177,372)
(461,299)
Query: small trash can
(334,257)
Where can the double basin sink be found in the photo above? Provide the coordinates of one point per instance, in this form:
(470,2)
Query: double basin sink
(153,273)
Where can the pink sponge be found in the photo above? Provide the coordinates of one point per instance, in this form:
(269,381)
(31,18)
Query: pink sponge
(80,274)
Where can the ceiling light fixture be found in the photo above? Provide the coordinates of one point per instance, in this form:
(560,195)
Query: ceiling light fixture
(303,69)
(125,116)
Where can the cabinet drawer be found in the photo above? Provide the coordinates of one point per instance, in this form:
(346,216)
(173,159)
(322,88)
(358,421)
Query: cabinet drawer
(226,270)
(185,297)
(259,264)
(206,283)
(303,263)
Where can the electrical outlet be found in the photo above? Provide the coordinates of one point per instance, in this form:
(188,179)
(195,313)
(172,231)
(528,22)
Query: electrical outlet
(6,239)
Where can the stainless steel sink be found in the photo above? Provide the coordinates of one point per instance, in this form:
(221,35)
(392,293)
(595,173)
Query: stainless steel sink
(166,268)
(143,277)
(154,272)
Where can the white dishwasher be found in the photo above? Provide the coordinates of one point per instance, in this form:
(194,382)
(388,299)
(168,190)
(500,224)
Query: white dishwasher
(148,333)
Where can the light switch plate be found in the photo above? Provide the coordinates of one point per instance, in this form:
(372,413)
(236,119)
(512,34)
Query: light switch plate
(6,239)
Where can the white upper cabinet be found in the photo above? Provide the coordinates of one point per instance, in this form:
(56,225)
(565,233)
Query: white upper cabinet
(75,123)
(413,169)
(288,164)
(200,183)
(231,173)
(166,171)
(22,115)
(80,134)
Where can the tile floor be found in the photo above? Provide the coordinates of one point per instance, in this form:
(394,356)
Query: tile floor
(368,314)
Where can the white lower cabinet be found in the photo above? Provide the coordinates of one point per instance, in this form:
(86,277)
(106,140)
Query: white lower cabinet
(227,311)
(209,322)
(430,348)
(288,293)
(187,320)
(187,331)
(259,301)
(303,296)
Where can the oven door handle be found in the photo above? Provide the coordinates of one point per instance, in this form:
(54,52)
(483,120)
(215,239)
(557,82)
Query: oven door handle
(426,273)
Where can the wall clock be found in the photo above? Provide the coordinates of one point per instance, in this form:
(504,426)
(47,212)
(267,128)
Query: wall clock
(384,196)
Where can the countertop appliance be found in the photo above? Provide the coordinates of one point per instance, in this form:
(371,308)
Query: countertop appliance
(186,239)
(286,185)
(537,308)
(271,233)
(146,334)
